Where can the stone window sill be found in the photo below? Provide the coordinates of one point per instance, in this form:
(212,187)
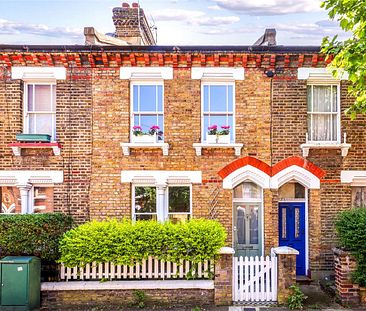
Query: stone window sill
(127,146)
(313,145)
(199,146)
(17,147)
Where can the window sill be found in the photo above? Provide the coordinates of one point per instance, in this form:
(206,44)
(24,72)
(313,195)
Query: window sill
(127,146)
(17,147)
(315,145)
(199,146)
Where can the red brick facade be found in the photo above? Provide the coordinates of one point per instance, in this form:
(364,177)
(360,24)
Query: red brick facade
(93,119)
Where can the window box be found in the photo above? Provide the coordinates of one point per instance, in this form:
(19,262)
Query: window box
(223,139)
(149,139)
(34,137)
(344,147)
(211,139)
(199,146)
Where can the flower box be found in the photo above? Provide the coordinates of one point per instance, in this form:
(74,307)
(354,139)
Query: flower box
(211,139)
(223,139)
(33,137)
(145,139)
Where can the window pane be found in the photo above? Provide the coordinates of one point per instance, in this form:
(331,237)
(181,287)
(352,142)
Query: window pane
(247,190)
(309,98)
(284,223)
(43,124)
(145,200)
(160,97)
(206,90)
(335,127)
(309,127)
(53,98)
(253,224)
(148,121)
(43,200)
(135,98)
(240,216)
(321,127)
(31,124)
(230,97)
(218,98)
(146,217)
(43,98)
(322,98)
(335,98)
(297,222)
(147,97)
(176,218)
(179,199)
(30,97)
(291,191)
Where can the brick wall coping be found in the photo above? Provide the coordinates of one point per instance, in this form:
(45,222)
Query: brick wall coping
(340,252)
(127,285)
(285,250)
(226,250)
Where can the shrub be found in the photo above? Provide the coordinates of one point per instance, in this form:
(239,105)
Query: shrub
(296,299)
(125,242)
(33,234)
(351,229)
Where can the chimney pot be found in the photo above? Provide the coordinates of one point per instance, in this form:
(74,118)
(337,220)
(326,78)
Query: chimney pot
(135,5)
(125,5)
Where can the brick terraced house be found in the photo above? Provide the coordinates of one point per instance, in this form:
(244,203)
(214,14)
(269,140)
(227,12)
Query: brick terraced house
(291,161)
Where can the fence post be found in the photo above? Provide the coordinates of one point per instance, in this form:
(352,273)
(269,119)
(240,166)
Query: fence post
(286,276)
(224,277)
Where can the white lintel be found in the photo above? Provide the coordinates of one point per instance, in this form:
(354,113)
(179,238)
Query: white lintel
(355,178)
(320,74)
(38,73)
(146,73)
(22,177)
(285,250)
(161,177)
(218,73)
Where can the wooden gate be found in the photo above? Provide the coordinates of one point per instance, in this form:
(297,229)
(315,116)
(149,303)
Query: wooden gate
(255,279)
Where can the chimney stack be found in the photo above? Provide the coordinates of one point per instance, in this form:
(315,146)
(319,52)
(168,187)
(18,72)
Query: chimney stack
(131,25)
(268,39)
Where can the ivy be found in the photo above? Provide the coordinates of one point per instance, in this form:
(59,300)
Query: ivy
(350,54)
(35,234)
(126,243)
(351,230)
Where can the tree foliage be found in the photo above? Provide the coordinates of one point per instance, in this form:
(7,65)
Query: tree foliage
(350,54)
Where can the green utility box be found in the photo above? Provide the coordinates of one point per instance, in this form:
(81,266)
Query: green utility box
(20,279)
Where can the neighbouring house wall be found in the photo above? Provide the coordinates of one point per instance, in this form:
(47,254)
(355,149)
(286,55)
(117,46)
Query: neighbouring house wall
(73,131)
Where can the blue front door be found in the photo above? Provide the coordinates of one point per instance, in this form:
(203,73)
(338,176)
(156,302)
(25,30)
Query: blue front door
(292,230)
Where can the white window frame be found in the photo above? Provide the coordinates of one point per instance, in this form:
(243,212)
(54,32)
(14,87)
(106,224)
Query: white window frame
(153,83)
(338,113)
(27,113)
(162,212)
(209,83)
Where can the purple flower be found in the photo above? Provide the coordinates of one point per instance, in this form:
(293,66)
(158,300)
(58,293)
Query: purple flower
(155,127)
(137,128)
(225,127)
(212,127)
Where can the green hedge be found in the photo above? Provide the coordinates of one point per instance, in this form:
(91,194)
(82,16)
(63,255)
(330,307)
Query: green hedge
(33,234)
(351,229)
(124,242)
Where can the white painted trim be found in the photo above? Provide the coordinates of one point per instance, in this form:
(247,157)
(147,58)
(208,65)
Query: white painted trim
(146,73)
(38,73)
(161,177)
(127,285)
(198,147)
(297,173)
(320,74)
(244,173)
(285,250)
(355,178)
(217,73)
(23,177)
(127,146)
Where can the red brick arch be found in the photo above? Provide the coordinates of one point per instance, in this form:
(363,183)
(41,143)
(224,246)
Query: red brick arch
(271,171)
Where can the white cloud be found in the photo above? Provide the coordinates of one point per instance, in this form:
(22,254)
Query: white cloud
(17,28)
(269,7)
(214,7)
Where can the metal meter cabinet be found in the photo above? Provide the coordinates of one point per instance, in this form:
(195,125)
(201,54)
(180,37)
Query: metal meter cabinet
(20,279)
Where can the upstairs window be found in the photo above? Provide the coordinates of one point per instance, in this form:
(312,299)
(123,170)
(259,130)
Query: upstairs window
(323,113)
(147,107)
(218,107)
(40,109)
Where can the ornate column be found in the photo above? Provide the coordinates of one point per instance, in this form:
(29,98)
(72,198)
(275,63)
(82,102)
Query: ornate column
(24,195)
(160,200)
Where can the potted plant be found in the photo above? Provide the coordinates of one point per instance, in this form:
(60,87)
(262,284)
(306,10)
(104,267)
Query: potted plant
(223,136)
(211,136)
(152,136)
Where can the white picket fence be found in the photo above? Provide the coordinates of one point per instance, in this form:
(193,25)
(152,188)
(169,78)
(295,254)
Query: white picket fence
(255,279)
(150,268)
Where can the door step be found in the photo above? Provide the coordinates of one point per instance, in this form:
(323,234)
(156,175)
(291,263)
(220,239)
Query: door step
(303,280)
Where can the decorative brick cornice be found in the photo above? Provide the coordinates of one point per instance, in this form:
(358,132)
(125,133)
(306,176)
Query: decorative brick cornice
(265,60)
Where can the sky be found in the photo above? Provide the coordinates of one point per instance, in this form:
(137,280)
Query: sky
(178,22)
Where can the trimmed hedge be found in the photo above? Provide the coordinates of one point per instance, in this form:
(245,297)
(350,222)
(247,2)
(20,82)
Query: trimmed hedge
(351,229)
(33,234)
(125,242)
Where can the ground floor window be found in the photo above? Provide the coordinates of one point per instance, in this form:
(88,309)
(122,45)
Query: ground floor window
(162,203)
(10,200)
(359,196)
